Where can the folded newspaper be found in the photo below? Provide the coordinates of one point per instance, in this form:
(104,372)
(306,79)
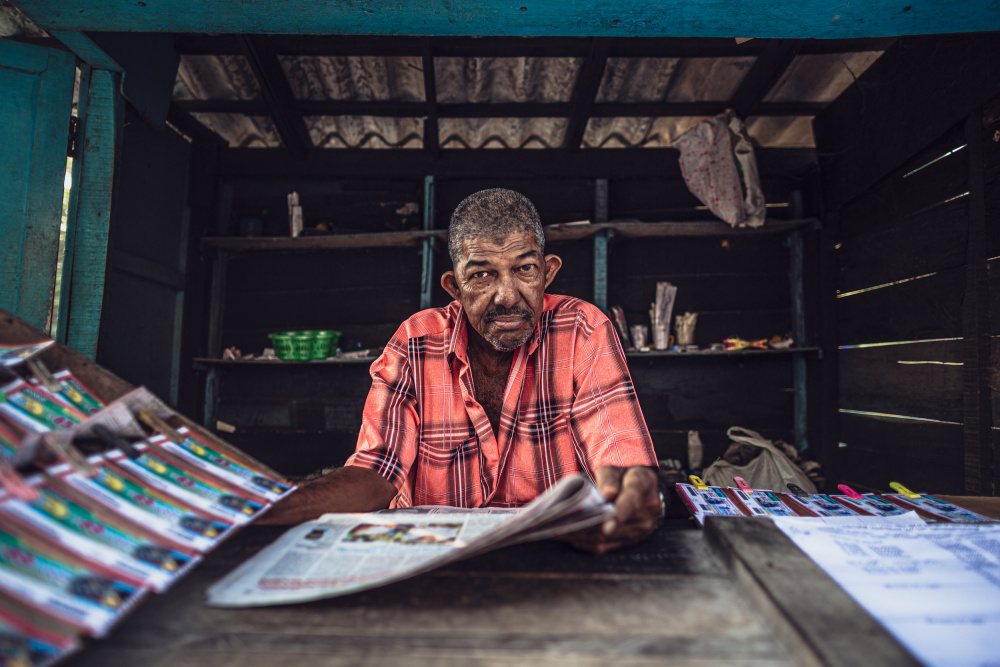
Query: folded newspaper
(339,554)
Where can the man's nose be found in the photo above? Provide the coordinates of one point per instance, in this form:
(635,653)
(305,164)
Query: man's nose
(506,294)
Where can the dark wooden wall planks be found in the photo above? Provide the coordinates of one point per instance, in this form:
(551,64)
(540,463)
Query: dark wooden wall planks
(916,214)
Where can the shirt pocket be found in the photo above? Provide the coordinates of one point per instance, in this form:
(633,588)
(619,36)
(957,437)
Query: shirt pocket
(448,474)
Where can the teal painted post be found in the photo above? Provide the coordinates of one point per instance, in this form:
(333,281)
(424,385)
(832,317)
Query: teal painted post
(821,19)
(427,263)
(601,245)
(37,85)
(799,401)
(62,317)
(90,256)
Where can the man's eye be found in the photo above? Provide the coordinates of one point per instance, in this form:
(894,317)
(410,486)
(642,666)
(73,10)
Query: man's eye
(527,268)
(480,274)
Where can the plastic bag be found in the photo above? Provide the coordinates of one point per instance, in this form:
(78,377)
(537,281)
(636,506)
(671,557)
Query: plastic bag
(771,471)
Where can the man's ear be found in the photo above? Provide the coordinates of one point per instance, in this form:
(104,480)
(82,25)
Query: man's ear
(552,265)
(449,284)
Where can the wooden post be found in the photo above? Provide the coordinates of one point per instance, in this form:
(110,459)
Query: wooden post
(427,249)
(601,244)
(795,279)
(100,146)
(977,402)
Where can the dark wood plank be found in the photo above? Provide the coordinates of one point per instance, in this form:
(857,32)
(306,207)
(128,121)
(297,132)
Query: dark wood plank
(736,253)
(787,584)
(875,451)
(766,70)
(329,308)
(279,271)
(585,89)
(888,107)
(432,144)
(918,380)
(293,452)
(922,309)
(933,240)
(938,173)
(701,292)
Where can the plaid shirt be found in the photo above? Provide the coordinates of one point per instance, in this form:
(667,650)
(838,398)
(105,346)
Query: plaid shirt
(569,407)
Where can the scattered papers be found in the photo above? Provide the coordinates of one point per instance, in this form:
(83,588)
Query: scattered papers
(936,588)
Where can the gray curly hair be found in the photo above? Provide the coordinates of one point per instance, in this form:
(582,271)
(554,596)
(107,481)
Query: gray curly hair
(493,214)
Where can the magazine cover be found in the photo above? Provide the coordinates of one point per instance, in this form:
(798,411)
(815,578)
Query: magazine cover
(198,454)
(83,532)
(170,518)
(61,587)
(188,486)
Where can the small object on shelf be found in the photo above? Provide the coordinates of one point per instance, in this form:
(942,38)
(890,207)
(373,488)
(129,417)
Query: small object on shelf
(660,314)
(639,334)
(781,342)
(251,227)
(304,345)
(294,215)
(685,329)
(740,344)
(619,318)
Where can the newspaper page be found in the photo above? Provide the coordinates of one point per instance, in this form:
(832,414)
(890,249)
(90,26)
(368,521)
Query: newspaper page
(339,554)
(936,588)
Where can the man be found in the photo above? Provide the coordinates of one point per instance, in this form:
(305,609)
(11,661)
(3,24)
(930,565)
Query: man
(492,399)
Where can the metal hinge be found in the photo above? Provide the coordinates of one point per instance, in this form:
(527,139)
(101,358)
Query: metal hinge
(74,126)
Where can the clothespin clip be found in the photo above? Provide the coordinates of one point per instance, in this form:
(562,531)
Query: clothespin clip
(849,492)
(902,490)
(797,490)
(742,483)
(115,441)
(68,453)
(15,484)
(163,428)
(43,375)
(698,484)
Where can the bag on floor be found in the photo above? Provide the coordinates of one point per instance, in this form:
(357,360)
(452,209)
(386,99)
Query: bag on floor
(771,470)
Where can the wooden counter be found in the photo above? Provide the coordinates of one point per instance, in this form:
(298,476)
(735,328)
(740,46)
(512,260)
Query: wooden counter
(736,593)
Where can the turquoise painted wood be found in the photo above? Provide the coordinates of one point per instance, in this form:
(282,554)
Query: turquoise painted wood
(823,19)
(89,52)
(37,85)
(90,254)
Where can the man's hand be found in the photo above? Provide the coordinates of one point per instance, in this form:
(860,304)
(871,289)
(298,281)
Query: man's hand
(635,493)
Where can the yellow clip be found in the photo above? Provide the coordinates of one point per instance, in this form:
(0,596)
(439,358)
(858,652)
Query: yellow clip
(902,490)
(698,484)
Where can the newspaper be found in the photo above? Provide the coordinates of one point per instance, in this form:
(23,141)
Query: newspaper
(339,554)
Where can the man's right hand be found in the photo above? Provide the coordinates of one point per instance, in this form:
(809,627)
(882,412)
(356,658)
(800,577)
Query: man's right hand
(347,489)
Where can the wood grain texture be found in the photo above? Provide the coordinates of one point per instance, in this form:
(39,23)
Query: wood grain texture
(703,18)
(918,380)
(100,145)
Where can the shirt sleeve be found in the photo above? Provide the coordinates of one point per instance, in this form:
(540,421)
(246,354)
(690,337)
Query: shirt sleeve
(606,418)
(389,433)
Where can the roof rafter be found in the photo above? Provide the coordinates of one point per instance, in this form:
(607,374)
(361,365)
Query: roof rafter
(431,142)
(585,92)
(765,72)
(276,94)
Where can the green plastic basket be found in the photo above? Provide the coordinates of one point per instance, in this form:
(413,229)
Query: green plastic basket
(304,345)
(281,341)
(323,343)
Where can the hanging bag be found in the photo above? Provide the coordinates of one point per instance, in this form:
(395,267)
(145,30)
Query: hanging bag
(771,470)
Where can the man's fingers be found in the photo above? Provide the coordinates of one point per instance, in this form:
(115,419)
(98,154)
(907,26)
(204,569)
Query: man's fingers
(637,503)
(609,481)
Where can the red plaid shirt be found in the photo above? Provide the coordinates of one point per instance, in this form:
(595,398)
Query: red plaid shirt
(569,407)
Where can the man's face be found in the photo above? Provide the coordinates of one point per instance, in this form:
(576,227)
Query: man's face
(501,286)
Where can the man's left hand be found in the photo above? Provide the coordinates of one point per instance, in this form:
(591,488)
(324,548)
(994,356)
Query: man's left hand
(635,494)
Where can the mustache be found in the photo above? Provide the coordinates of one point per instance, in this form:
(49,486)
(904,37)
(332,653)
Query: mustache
(503,310)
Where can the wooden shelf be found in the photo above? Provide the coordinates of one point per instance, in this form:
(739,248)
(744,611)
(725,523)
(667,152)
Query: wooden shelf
(552,233)
(205,362)
(720,353)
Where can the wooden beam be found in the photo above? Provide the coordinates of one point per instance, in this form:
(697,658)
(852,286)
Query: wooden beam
(392,109)
(277,95)
(597,18)
(584,93)
(431,142)
(765,72)
(191,126)
(792,163)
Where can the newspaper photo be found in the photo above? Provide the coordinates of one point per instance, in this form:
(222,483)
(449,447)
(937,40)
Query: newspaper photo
(339,554)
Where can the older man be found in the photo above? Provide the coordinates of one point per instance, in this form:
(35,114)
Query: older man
(493,398)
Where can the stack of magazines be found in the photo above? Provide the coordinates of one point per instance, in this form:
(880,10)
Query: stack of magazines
(83,539)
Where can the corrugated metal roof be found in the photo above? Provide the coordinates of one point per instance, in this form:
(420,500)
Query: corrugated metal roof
(813,78)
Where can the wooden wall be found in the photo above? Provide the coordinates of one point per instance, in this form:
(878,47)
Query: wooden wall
(910,190)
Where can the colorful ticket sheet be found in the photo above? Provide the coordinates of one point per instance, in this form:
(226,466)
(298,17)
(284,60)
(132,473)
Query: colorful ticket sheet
(36,411)
(763,503)
(204,457)
(872,504)
(62,588)
(938,509)
(195,489)
(73,393)
(818,504)
(11,355)
(23,643)
(10,440)
(91,537)
(171,519)
(707,502)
